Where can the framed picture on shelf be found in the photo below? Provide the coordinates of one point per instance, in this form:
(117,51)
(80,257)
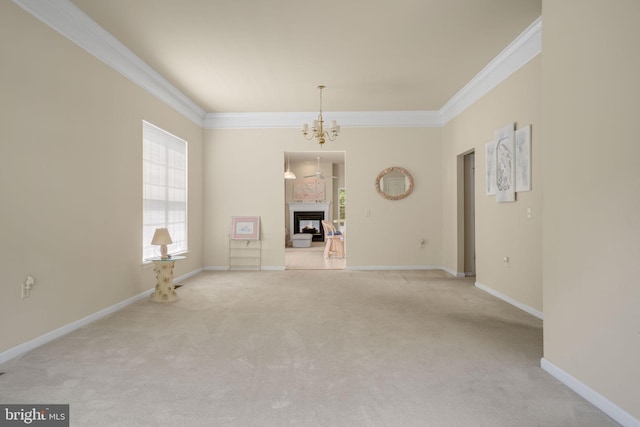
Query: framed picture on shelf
(245,228)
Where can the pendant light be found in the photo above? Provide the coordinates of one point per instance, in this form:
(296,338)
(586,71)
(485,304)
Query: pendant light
(288,174)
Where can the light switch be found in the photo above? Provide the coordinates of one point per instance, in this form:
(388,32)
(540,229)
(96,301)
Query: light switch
(529,213)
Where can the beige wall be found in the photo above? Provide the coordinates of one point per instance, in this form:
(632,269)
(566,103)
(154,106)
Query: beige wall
(243,176)
(390,235)
(502,229)
(70,180)
(591,94)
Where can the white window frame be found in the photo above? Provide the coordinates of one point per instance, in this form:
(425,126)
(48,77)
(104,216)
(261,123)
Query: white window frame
(164,189)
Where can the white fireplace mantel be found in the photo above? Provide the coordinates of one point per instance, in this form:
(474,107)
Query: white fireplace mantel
(307,207)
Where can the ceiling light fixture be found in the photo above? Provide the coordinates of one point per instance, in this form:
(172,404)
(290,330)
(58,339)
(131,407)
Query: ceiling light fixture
(317,129)
(288,174)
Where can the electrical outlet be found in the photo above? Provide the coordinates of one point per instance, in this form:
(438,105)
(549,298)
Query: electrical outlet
(26,292)
(26,286)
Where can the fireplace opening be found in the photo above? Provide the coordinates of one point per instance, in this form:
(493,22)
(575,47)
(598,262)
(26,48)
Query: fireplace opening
(309,222)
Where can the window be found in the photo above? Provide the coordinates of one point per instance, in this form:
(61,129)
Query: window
(164,189)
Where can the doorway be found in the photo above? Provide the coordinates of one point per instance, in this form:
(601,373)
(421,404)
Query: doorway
(469,215)
(323,174)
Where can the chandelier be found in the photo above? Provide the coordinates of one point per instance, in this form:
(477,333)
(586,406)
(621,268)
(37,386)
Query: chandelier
(317,127)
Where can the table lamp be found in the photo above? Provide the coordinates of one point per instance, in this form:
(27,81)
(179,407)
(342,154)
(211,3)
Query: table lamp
(161,237)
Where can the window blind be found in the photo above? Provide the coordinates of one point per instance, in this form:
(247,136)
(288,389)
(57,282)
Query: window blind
(164,189)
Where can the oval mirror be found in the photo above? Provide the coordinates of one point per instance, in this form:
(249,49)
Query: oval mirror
(394,183)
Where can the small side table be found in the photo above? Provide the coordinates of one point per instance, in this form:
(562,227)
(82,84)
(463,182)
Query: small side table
(165,291)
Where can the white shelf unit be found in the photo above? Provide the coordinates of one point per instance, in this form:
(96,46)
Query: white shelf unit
(245,254)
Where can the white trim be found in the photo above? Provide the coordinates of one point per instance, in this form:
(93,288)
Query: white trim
(354,268)
(272,268)
(532,311)
(524,48)
(392,267)
(454,273)
(592,396)
(66,18)
(345,119)
(57,333)
(187,275)
(216,268)
(248,268)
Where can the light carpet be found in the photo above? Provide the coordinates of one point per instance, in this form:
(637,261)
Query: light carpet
(305,348)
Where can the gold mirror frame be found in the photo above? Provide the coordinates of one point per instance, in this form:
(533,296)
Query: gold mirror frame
(408,183)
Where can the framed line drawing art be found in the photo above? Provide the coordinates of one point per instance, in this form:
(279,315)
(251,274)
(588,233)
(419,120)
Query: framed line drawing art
(523,159)
(505,164)
(245,228)
(490,163)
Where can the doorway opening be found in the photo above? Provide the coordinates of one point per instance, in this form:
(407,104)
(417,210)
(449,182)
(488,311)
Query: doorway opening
(317,193)
(469,216)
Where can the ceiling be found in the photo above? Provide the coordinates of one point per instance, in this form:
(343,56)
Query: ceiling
(270,56)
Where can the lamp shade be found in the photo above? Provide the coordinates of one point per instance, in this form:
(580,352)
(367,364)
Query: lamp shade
(161,237)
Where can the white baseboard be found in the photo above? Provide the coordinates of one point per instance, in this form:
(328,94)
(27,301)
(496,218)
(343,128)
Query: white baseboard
(248,268)
(503,297)
(351,267)
(595,398)
(392,267)
(187,275)
(273,268)
(57,333)
(452,272)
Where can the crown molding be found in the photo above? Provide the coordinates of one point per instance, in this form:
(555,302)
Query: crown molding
(524,48)
(66,18)
(345,119)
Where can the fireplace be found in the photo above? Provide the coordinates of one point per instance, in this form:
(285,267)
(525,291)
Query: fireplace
(311,215)
(309,222)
